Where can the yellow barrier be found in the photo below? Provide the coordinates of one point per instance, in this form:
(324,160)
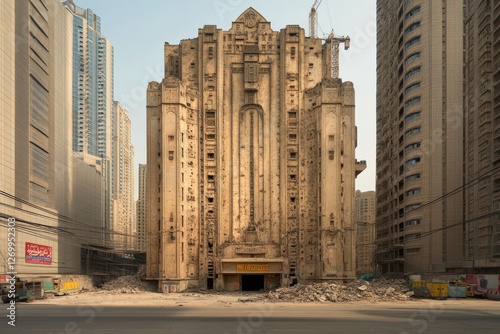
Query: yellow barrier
(68,286)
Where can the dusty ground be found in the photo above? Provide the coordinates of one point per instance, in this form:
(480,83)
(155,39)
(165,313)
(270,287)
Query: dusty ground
(223,299)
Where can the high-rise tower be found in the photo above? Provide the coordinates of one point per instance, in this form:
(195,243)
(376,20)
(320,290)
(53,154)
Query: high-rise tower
(54,198)
(419,135)
(141,209)
(482,135)
(93,99)
(124,220)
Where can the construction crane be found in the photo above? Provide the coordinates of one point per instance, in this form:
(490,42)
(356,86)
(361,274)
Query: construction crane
(332,39)
(313,19)
(334,56)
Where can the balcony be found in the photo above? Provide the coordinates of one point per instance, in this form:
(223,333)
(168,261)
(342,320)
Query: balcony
(360,166)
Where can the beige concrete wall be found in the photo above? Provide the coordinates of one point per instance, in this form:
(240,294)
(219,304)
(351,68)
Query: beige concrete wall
(234,163)
(435,91)
(55,220)
(365,228)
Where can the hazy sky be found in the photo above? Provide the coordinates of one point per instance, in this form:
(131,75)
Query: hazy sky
(138,30)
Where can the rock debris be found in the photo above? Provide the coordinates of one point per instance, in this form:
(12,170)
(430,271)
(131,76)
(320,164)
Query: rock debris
(375,291)
(130,284)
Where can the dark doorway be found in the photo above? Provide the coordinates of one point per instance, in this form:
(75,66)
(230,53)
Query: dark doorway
(210,283)
(252,282)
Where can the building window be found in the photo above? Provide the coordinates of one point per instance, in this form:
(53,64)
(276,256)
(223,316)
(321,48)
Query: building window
(412,147)
(412,58)
(412,177)
(413,12)
(412,87)
(412,250)
(412,102)
(292,136)
(412,132)
(412,116)
(211,155)
(412,222)
(292,114)
(412,236)
(412,27)
(293,155)
(413,192)
(170,138)
(411,207)
(413,72)
(412,162)
(412,42)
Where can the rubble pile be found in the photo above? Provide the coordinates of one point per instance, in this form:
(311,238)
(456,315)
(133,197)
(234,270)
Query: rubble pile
(130,284)
(375,291)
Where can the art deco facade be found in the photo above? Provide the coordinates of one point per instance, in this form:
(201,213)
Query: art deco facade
(54,197)
(419,135)
(141,209)
(482,135)
(365,232)
(251,162)
(124,227)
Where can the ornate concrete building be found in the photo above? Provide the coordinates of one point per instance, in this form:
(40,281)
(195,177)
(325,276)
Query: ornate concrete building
(251,163)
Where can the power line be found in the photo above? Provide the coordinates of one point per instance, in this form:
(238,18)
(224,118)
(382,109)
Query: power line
(458,190)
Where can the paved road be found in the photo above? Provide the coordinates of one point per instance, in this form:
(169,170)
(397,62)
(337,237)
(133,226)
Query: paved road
(435,317)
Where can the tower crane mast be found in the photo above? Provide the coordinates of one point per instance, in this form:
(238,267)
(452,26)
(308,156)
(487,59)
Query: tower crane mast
(332,39)
(313,19)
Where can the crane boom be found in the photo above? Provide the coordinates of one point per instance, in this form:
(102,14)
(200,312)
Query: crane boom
(334,40)
(335,54)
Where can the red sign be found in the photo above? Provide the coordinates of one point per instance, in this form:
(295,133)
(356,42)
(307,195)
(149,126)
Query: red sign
(36,253)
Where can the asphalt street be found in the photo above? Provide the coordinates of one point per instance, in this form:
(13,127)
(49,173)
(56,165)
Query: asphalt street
(435,317)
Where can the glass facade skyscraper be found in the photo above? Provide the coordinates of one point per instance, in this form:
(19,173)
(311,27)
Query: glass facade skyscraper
(92,84)
(93,99)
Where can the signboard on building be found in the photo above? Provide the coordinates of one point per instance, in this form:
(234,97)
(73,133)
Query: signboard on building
(266,266)
(36,253)
(252,267)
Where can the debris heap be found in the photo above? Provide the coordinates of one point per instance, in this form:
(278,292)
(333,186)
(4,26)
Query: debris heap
(375,291)
(130,284)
